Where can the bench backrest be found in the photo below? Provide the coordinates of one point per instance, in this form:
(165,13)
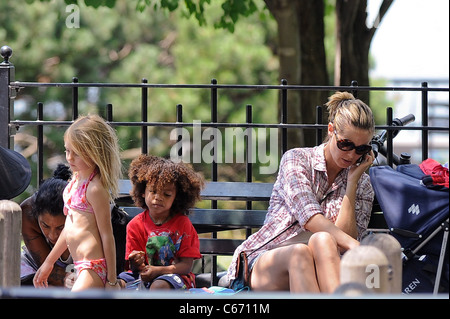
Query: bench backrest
(218,191)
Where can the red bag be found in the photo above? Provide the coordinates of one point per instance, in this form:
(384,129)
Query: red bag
(437,172)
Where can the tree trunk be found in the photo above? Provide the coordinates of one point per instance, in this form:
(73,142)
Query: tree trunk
(302,56)
(284,12)
(353,41)
(302,61)
(313,62)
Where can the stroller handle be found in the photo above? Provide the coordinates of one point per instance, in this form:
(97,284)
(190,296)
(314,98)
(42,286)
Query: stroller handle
(378,140)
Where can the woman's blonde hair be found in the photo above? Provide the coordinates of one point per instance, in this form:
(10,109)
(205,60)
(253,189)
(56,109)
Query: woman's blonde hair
(344,110)
(96,143)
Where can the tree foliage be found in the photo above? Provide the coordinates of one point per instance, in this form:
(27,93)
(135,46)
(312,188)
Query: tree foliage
(235,41)
(125,46)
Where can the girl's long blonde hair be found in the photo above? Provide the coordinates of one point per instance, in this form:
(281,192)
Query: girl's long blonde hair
(96,143)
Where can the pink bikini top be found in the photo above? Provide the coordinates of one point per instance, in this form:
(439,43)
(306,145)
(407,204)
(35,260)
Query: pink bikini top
(75,198)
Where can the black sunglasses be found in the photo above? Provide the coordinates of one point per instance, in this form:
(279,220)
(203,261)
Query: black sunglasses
(346,145)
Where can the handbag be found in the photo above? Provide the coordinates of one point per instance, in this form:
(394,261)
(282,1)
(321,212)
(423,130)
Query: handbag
(241,281)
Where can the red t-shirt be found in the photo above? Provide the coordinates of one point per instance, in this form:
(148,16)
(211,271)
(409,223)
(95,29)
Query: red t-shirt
(174,239)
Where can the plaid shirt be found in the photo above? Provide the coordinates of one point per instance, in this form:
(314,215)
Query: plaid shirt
(301,191)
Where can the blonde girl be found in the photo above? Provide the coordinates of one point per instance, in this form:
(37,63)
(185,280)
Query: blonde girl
(92,152)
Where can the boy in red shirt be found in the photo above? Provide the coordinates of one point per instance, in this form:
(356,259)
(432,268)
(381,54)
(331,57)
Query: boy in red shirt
(162,243)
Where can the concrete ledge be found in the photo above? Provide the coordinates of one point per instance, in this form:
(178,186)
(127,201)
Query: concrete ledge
(60,293)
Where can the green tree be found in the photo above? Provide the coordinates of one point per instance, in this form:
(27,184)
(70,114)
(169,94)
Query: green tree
(301,43)
(124,46)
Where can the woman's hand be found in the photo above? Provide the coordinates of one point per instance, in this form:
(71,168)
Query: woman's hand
(359,168)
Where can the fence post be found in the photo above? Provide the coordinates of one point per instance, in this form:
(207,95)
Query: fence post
(6,99)
(393,251)
(366,266)
(10,237)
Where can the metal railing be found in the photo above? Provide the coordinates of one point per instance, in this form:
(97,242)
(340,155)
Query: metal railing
(10,88)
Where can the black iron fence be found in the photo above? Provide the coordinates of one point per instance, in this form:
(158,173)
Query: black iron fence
(9,125)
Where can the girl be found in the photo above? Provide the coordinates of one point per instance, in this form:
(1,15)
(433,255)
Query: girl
(93,155)
(321,192)
(161,241)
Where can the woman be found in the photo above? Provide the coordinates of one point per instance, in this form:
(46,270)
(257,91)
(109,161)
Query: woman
(42,223)
(323,193)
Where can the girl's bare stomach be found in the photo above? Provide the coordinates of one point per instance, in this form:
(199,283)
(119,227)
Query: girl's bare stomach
(82,236)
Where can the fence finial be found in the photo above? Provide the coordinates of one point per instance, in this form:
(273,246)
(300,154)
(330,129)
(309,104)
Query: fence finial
(6,53)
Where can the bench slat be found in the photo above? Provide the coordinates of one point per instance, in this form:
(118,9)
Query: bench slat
(217,191)
(237,191)
(228,217)
(223,247)
(209,220)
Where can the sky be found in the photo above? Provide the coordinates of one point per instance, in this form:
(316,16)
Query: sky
(412,40)
(412,43)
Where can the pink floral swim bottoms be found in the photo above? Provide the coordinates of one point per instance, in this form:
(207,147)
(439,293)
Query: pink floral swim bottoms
(97,265)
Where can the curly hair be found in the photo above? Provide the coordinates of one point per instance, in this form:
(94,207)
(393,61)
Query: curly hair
(158,172)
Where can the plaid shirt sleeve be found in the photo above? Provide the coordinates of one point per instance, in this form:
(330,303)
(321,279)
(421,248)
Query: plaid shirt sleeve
(297,185)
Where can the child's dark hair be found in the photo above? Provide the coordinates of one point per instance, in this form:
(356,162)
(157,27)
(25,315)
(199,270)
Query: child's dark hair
(49,197)
(157,171)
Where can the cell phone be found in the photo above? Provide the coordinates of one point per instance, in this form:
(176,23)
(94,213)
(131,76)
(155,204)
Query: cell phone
(359,161)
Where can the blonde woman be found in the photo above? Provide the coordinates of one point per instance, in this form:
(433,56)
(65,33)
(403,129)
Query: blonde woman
(322,192)
(92,152)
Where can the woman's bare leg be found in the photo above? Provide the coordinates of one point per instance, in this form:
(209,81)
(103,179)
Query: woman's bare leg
(285,268)
(327,260)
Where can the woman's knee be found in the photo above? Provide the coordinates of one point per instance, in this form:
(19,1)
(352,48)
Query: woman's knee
(300,254)
(324,246)
(322,240)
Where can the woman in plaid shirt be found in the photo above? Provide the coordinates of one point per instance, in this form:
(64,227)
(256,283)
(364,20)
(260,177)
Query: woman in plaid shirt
(322,192)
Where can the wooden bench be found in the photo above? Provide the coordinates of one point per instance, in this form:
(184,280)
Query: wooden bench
(214,220)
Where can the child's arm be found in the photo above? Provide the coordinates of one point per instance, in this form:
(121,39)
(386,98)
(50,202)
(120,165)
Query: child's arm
(42,274)
(182,266)
(99,199)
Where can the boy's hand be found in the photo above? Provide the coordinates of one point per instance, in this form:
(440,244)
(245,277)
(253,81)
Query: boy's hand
(148,273)
(137,260)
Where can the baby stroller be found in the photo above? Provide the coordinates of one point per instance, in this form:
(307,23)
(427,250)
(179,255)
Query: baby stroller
(417,215)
